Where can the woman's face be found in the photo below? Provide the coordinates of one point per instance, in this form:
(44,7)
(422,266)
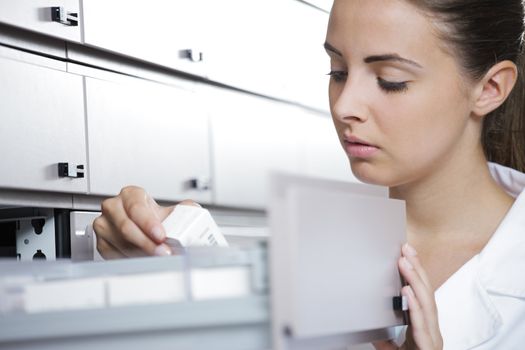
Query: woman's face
(394,87)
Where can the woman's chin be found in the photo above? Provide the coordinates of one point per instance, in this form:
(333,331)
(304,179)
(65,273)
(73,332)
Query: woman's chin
(371,174)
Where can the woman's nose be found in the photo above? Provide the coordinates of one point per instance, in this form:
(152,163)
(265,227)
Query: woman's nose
(349,105)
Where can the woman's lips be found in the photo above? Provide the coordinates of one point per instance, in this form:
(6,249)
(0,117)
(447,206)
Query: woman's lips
(357,148)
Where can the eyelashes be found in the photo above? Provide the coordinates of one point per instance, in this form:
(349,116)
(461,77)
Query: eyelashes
(390,86)
(338,75)
(385,85)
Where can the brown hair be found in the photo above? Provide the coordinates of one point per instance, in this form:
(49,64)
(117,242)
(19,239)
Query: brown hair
(481,34)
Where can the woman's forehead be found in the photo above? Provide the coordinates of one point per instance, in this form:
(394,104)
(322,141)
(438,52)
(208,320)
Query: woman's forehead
(379,26)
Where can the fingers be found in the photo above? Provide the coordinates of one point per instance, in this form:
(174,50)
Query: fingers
(385,345)
(410,253)
(131,225)
(421,301)
(415,276)
(418,322)
(143,213)
(107,251)
(123,234)
(120,233)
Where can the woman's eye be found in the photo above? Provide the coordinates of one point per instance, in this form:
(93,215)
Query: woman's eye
(338,75)
(390,86)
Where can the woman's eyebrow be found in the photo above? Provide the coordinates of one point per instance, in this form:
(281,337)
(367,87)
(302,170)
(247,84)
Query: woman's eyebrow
(391,57)
(330,48)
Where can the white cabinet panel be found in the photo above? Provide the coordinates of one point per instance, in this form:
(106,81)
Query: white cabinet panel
(157,31)
(321,154)
(305,58)
(42,124)
(146,134)
(35,15)
(244,48)
(271,47)
(251,136)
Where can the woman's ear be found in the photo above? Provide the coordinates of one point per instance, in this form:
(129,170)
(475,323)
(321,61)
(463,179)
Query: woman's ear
(495,87)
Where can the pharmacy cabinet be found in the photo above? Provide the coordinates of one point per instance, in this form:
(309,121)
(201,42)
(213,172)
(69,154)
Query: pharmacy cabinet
(38,16)
(244,47)
(166,33)
(42,125)
(251,136)
(147,134)
(303,55)
(270,47)
(321,153)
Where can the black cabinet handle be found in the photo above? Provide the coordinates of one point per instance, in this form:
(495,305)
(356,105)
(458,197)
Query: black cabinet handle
(200,183)
(192,55)
(72,171)
(58,14)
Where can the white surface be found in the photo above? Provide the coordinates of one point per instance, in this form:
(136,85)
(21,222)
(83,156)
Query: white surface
(251,136)
(148,135)
(64,295)
(220,282)
(35,15)
(320,152)
(151,288)
(153,31)
(193,226)
(239,46)
(351,254)
(302,34)
(42,124)
(333,260)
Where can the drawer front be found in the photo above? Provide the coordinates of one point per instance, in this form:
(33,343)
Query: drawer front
(148,135)
(160,32)
(36,15)
(251,137)
(42,125)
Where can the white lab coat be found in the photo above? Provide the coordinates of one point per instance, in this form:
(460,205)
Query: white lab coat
(482,305)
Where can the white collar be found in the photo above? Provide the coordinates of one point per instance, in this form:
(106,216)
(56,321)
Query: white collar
(497,269)
(509,179)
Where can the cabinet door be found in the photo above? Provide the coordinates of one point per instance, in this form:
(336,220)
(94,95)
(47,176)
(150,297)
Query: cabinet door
(271,47)
(306,60)
(251,136)
(35,15)
(42,124)
(146,134)
(156,31)
(321,154)
(244,48)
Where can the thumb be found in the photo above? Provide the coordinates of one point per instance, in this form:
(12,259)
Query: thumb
(385,345)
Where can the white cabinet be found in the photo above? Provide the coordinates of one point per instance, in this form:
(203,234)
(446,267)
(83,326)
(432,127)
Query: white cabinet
(321,154)
(36,15)
(146,134)
(303,54)
(271,47)
(162,32)
(42,124)
(244,47)
(251,136)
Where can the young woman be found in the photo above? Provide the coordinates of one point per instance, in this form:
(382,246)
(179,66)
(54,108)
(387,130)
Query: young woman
(422,94)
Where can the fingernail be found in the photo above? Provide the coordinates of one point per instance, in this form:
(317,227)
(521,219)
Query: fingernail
(410,291)
(410,250)
(158,233)
(162,250)
(407,263)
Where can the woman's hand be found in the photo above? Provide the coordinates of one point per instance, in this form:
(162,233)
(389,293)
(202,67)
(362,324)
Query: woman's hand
(423,332)
(131,225)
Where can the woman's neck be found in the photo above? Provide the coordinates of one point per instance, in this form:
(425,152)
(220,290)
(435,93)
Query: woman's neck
(458,201)
(452,214)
